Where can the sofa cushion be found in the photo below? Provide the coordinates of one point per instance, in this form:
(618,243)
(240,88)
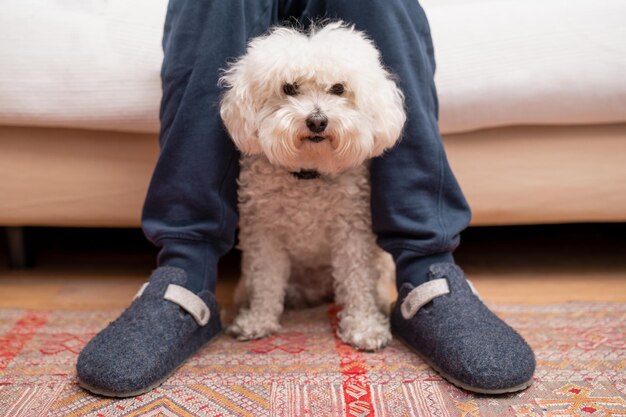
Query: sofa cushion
(95,63)
(81,63)
(511,62)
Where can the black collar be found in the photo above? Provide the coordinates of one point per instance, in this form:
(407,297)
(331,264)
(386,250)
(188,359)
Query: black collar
(306,174)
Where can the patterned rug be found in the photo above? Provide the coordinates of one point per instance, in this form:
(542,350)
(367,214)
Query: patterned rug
(306,371)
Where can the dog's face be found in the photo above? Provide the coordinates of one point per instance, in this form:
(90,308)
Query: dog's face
(319,101)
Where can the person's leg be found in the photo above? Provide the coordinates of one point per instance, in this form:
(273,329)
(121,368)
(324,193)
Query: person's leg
(418,211)
(190,210)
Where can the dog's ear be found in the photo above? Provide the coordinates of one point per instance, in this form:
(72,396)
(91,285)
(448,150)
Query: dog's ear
(387,106)
(238,110)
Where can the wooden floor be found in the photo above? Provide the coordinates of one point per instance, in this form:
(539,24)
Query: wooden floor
(96,269)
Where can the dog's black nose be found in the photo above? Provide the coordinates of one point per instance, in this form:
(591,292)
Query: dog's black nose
(317,122)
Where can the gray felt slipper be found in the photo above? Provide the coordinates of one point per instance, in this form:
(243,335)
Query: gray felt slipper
(445,322)
(164,325)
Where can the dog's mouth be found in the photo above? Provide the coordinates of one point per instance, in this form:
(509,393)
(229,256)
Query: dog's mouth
(316,142)
(315,139)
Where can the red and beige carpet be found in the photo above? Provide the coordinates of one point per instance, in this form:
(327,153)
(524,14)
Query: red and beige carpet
(306,371)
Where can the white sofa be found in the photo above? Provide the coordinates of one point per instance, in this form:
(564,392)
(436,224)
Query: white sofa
(532,108)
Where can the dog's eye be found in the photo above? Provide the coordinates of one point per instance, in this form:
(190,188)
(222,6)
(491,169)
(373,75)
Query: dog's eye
(290,89)
(337,89)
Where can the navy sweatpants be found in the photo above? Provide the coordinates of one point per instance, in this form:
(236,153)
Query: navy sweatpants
(190,212)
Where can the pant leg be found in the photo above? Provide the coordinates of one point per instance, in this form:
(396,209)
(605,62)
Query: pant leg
(190,211)
(418,209)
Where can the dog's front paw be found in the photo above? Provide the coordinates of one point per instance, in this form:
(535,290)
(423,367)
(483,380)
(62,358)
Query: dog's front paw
(249,326)
(365,331)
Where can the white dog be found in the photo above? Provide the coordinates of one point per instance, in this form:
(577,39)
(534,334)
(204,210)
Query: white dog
(307,110)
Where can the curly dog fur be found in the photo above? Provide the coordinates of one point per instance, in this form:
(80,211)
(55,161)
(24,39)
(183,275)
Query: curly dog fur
(318,102)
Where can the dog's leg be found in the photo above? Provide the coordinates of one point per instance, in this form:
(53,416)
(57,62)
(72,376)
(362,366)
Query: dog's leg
(265,271)
(361,322)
